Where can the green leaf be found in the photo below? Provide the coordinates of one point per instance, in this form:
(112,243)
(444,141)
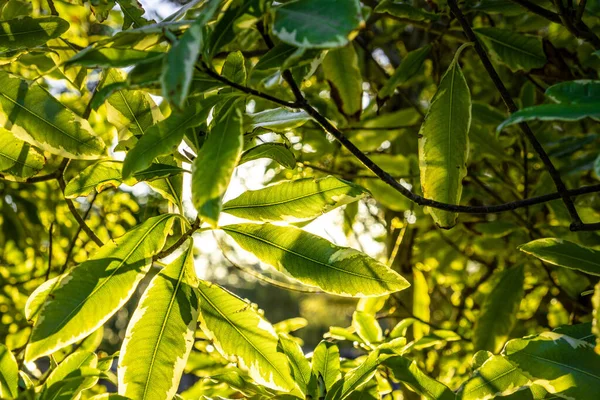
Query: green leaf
(444,143)
(234,68)
(90,294)
(223,32)
(404,10)
(277,152)
(180,63)
(160,334)
(9,373)
(110,57)
(596,316)
(326,363)
(294,201)
(240,333)
(421,304)
(354,378)
(564,254)
(19,158)
(340,67)
(33,115)
(130,111)
(553,112)
(299,365)
(277,119)
(98,177)
(495,377)
(166,136)
(26,32)
(58,387)
(407,372)
(367,327)
(580,91)
(212,169)
(283,55)
(409,67)
(499,311)
(36,300)
(559,363)
(517,51)
(317,23)
(132,13)
(317,262)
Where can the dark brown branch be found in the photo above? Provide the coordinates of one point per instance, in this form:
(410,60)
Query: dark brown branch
(244,89)
(512,107)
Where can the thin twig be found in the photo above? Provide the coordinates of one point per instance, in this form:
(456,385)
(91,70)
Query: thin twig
(73,209)
(74,240)
(49,250)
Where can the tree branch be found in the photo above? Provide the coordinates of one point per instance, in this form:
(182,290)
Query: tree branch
(302,103)
(206,69)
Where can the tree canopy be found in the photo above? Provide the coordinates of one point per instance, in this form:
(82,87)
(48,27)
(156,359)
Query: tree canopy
(164,178)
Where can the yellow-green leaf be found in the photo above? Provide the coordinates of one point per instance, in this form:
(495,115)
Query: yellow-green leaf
(90,294)
(317,262)
(160,334)
(35,116)
(240,334)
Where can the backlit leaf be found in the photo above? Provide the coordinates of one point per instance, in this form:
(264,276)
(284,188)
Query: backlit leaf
(341,71)
(180,62)
(317,262)
(96,177)
(553,112)
(17,157)
(212,169)
(90,294)
(407,372)
(294,201)
(166,136)
(239,333)
(160,334)
(565,254)
(580,91)
(109,57)
(9,373)
(277,152)
(326,363)
(559,363)
(35,116)
(26,32)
